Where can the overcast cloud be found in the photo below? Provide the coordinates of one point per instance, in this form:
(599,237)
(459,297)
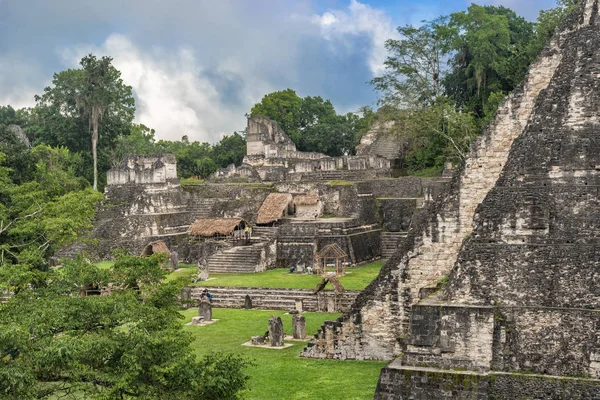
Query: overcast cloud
(197,67)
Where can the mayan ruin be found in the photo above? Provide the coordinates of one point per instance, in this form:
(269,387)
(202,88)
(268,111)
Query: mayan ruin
(436,239)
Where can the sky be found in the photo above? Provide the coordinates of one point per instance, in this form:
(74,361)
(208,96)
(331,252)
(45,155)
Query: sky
(197,66)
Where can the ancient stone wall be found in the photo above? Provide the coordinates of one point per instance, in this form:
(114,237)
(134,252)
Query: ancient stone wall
(160,168)
(425,384)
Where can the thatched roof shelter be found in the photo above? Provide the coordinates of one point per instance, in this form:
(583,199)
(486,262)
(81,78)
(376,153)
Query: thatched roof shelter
(155,247)
(306,200)
(274,208)
(208,227)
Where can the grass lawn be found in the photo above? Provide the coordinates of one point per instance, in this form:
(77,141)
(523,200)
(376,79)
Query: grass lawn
(357,278)
(104,264)
(281,374)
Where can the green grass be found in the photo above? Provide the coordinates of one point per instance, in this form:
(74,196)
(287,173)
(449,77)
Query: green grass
(341,183)
(104,264)
(357,278)
(190,181)
(427,172)
(186,271)
(281,374)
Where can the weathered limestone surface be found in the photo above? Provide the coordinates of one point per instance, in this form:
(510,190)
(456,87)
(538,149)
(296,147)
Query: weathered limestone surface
(276,333)
(522,297)
(397,382)
(272,156)
(381,314)
(205,310)
(298,326)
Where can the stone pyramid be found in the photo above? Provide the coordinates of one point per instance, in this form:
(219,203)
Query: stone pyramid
(496,294)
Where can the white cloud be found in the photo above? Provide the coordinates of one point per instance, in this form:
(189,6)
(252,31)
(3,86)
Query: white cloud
(198,67)
(19,81)
(173,95)
(339,26)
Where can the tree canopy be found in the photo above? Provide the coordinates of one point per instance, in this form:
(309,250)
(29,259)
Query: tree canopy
(86,96)
(128,343)
(312,122)
(445,79)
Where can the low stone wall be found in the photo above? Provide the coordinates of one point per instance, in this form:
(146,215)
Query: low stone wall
(275,299)
(397,382)
(396,214)
(549,341)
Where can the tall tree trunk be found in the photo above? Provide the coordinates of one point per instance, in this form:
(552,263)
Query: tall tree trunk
(95,118)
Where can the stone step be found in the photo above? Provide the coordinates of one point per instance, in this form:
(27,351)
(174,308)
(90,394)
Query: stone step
(277,299)
(239,259)
(390,242)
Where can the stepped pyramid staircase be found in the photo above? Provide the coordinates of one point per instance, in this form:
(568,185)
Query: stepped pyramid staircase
(386,145)
(237,260)
(390,242)
(264,232)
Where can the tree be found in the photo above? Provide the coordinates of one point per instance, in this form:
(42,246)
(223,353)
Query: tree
(140,141)
(48,211)
(415,64)
(493,50)
(283,107)
(231,149)
(312,122)
(89,94)
(128,344)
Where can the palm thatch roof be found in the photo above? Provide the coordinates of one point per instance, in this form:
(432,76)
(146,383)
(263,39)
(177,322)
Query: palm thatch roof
(331,251)
(273,208)
(216,226)
(305,200)
(155,247)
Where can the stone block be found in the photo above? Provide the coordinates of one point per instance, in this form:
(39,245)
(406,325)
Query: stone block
(258,340)
(299,327)
(205,310)
(173,261)
(276,331)
(247,302)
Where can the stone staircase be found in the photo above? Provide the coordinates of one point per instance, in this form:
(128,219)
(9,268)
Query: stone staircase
(264,232)
(237,260)
(390,242)
(386,145)
(278,299)
(202,207)
(342,175)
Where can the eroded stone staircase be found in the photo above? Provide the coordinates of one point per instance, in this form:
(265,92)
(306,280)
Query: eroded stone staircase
(390,242)
(264,232)
(202,207)
(237,260)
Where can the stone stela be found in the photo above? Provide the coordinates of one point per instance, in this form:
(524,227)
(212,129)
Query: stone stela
(298,326)
(276,334)
(205,310)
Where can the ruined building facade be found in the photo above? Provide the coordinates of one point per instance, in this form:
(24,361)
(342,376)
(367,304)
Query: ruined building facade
(272,156)
(495,293)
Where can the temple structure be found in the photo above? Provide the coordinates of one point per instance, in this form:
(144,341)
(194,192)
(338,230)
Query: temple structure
(494,293)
